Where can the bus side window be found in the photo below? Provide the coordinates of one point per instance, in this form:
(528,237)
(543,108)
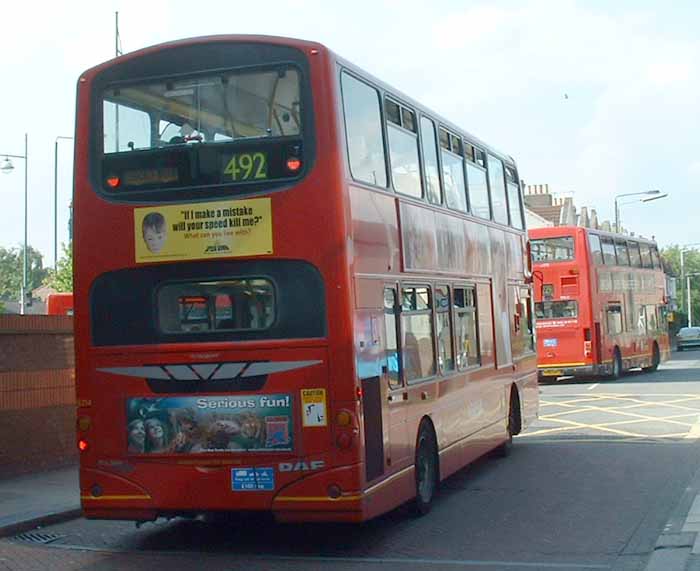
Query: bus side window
(596,249)
(466,327)
(418,348)
(403,149)
(391,348)
(443,311)
(363,125)
(613,315)
(522,340)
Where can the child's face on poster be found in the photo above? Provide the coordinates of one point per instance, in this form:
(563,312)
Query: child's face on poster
(155,239)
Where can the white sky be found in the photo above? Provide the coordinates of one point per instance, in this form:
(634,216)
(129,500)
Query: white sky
(499,69)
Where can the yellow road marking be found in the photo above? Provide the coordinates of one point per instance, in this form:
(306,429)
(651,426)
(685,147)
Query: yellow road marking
(694,431)
(623,406)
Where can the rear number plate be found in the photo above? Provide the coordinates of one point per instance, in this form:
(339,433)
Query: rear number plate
(551,342)
(552,372)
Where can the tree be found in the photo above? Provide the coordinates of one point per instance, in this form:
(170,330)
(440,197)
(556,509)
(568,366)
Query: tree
(61,279)
(671,257)
(11,271)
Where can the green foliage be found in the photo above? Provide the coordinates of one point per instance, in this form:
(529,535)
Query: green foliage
(61,279)
(691,261)
(11,271)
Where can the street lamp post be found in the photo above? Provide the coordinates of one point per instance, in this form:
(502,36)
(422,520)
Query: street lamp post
(55,198)
(617,208)
(7,168)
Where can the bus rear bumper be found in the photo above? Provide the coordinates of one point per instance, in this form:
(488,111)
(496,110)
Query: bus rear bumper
(553,372)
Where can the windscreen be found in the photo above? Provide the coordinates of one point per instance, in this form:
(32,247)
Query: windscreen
(560,249)
(556,309)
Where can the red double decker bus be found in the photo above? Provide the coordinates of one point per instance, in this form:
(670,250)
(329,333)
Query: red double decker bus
(297,290)
(600,302)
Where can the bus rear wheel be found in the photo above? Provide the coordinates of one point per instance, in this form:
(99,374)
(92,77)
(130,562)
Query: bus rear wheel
(655,360)
(426,468)
(513,428)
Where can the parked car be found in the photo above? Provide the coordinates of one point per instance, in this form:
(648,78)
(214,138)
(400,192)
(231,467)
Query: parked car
(688,337)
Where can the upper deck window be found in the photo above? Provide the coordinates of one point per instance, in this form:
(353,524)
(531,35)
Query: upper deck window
(453,171)
(623,253)
(479,200)
(403,149)
(596,249)
(514,206)
(560,249)
(608,251)
(219,107)
(498,190)
(179,132)
(363,124)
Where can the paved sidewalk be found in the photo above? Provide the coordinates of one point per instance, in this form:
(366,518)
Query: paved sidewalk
(678,547)
(38,499)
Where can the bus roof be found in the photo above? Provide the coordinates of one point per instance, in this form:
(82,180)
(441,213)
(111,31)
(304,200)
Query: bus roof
(554,231)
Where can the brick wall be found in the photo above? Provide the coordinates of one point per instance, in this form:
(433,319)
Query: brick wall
(37,393)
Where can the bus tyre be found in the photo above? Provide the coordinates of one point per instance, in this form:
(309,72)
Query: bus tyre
(655,360)
(504,450)
(616,365)
(426,469)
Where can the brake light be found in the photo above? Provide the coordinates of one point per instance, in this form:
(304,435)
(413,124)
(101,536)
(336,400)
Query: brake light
(113,181)
(293,164)
(83,445)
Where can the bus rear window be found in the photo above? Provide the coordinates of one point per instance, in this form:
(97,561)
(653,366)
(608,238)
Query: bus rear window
(560,249)
(220,107)
(230,127)
(556,309)
(243,304)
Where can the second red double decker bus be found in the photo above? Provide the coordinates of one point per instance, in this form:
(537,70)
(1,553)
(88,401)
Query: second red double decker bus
(600,302)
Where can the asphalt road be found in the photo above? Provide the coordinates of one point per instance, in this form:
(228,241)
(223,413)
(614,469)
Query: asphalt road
(590,486)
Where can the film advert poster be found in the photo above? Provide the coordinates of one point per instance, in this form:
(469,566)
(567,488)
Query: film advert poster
(193,425)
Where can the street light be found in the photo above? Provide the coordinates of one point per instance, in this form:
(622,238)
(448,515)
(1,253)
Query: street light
(55,198)
(617,208)
(7,168)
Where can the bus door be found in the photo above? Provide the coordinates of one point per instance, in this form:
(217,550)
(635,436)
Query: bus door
(399,445)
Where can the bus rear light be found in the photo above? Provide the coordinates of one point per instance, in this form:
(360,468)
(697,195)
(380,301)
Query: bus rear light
(293,164)
(113,181)
(344,418)
(84,423)
(359,393)
(587,348)
(83,445)
(587,334)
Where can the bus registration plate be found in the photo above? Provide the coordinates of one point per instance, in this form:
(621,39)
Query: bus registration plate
(552,372)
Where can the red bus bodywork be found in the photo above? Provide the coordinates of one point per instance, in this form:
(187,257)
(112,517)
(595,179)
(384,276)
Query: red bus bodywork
(59,304)
(620,309)
(358,462)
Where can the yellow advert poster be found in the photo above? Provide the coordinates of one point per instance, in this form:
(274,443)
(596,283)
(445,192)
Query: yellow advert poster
(204,230)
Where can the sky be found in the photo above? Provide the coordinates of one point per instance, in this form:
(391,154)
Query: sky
(594,98)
